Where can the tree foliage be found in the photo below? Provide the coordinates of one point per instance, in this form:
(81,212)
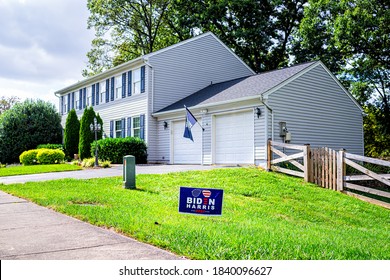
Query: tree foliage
(126,29)
(258,31)
(353,37)
(86,135)
(71,134)
(27,125)
(7,102)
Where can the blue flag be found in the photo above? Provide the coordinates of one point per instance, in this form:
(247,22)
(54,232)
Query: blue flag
(190,122)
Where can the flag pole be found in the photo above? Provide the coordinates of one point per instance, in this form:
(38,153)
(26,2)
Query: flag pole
(194,118)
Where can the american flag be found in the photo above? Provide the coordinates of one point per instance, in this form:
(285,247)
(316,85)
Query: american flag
(206,193)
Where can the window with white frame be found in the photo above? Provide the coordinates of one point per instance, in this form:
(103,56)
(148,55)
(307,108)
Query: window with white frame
(118,129)
(102,94)
(77,99)
(118,87)
(65,105)
(137,81)
(136,127)
(89,96)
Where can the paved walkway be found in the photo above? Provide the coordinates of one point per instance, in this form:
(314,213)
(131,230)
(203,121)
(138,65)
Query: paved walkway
(29,231)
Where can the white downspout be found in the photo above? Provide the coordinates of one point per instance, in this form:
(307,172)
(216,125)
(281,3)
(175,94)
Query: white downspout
(262,100)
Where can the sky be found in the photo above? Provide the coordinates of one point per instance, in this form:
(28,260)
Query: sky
(43,46)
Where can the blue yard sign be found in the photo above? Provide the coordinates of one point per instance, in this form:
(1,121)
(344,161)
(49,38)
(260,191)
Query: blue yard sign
(200,201)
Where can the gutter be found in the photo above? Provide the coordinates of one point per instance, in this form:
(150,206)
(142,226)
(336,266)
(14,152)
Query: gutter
(262,100)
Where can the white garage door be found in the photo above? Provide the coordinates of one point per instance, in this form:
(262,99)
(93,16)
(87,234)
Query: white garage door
(184,150)
(234,138)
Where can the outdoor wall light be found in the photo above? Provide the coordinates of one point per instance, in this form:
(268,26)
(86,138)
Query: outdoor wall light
(165,125)
(258,112)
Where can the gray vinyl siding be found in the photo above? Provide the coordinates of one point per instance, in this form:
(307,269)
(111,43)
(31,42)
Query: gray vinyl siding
(187,68)
(260,134)
(207,152)
(318,112)
(163,144)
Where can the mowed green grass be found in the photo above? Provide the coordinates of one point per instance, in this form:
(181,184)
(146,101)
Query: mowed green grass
(265,215)
(35,169)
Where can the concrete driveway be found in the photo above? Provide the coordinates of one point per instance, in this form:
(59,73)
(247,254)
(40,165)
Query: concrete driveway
(115,170)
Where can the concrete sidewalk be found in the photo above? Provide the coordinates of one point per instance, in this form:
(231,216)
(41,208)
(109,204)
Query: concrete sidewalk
(115,170)
(32,232)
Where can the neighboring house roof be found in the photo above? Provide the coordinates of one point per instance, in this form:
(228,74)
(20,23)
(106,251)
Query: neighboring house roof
(242,88)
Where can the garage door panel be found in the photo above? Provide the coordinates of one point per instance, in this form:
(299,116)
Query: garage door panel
(234,138)
(186,151)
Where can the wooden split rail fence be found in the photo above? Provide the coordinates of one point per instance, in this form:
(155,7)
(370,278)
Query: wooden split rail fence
(327,168)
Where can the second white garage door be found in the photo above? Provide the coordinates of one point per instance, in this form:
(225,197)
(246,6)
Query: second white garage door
(184,150)
(234,138)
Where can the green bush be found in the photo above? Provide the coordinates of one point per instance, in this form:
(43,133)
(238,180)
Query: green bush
(90,162)
(27,125)
(29,157)
(48,156)
(51,146)
(114,149)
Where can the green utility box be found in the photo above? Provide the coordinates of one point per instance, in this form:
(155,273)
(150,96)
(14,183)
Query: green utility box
(129,172)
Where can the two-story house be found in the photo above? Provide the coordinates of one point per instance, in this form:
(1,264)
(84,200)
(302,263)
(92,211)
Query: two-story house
(238,109)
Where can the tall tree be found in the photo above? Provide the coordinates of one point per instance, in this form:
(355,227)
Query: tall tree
(86,135)
(352,37)
(71,134)
(258,31)
(126,29)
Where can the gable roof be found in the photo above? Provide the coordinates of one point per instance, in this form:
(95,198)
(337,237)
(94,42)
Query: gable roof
(242,88)
(142,59)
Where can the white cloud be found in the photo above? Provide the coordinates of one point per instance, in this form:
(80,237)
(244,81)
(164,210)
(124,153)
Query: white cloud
(43,46)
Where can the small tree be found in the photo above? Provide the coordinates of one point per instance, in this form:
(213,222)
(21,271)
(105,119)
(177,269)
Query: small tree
(86,135)
(27,125)
(71,134)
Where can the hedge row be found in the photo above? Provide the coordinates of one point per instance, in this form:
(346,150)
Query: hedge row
(114,149)
(42,156)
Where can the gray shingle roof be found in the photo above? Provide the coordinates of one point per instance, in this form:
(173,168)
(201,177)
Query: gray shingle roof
(239,88)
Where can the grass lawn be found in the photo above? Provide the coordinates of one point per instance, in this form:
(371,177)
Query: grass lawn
(35,169)
(265,215)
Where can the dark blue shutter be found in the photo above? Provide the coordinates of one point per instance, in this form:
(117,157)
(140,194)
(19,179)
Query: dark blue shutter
(62,105)
(123,85)
(123,127)
(84,97)
(107,90)
(142,127)
(112,129)
(129,83)
(93,95)
(128,127)
(142,79)
(68,102)
(72,100)
(80,99)
(97,94)
(112,88)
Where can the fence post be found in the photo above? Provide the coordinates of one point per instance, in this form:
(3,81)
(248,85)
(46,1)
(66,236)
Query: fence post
(340,170)
(269,155)
(307,163)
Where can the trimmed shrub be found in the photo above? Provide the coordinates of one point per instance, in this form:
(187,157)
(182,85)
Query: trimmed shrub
(27,125)
(48,156)
(90,162)
(71,134)
(29,157)
(51,146)
(114,149)
(86,136)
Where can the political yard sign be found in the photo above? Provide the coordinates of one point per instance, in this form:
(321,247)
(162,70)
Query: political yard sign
(200,201)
